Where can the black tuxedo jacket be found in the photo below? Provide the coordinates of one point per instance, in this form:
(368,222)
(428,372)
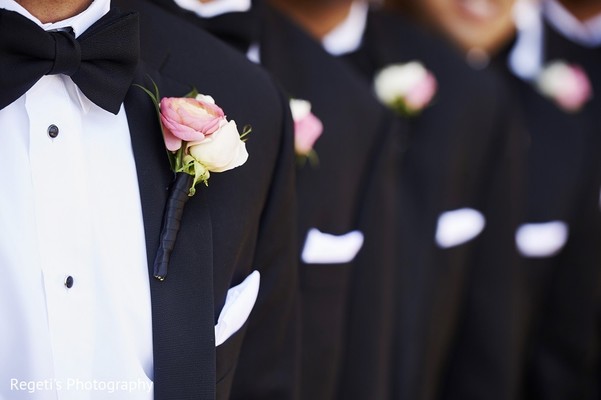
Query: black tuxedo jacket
(243,221)
(354,186)
(346,307)
(456,305)
(564,291)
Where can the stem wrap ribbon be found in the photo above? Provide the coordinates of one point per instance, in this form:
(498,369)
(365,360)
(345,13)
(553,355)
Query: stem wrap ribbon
(174,210)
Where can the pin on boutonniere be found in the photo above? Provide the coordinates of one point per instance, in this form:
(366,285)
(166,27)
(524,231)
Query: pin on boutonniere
(307,129)
(199,140)
(566,84)
(406,88)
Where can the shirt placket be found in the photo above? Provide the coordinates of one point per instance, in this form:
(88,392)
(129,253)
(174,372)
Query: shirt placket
(60,197)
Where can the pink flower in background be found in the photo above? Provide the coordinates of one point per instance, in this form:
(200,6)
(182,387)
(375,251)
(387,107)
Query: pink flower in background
(566,84)
(406,88)
(422,93)
(189,119)
(307,127)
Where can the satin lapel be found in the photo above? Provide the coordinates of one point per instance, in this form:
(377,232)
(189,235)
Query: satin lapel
(182,305)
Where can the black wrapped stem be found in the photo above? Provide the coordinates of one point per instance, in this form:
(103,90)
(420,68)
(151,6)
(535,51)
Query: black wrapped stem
(174,210)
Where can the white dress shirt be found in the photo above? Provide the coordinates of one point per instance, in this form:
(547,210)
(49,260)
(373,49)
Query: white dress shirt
(70,215)
(218,7)
(215,7)
(586,33)
(348,35)
(526,56)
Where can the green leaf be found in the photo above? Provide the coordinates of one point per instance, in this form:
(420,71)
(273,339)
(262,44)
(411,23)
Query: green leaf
(246,130)
(311,157)
(154,97)
(192,94)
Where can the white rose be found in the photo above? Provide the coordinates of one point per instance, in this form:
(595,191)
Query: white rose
(299,108)
(554,78)
(396,81)
(220,151)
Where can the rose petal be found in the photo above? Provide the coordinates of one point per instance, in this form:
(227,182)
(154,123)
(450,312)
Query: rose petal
(206,124)
(306,133)
(221,151)
(172,142)
(422,93)
(181,131)
(299,108)
(190,119)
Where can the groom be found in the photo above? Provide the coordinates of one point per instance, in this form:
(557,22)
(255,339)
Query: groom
(85,173)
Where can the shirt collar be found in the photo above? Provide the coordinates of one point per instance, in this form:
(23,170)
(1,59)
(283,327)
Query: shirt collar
(79,23)
(347,36)
(587,33)
(215,7)
(526,56)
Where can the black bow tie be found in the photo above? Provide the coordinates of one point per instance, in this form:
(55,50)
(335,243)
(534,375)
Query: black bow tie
(101,62)
(239,29)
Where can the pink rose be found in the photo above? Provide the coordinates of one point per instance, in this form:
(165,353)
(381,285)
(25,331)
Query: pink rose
(307,127)
(422,93)
(568,85)
(189,119)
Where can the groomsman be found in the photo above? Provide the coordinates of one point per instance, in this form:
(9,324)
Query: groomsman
(559,234)
(572,32)
(83,155)
(345,197)
(565,280)
(460,189)
(559,242)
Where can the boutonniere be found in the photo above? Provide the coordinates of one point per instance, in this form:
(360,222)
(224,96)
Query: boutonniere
(566,84)
(307,129)
(406,88)
(199,140)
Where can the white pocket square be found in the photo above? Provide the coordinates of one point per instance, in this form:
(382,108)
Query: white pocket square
(541,239)
(324,248)
(458,226)
(239,302)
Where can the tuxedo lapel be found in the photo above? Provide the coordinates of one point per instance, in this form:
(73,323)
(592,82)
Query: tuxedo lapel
(182,305)
(151,159)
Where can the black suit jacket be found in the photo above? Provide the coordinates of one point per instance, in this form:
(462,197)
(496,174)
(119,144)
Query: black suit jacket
(348,310)
(456,305)
(564,291)
(244,220)
(351,188)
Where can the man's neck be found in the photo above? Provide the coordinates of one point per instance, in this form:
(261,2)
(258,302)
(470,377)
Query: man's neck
(582,10)
(54,10)
(317,17)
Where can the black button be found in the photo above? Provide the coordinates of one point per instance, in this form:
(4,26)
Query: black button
(53,131)
(69,282)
